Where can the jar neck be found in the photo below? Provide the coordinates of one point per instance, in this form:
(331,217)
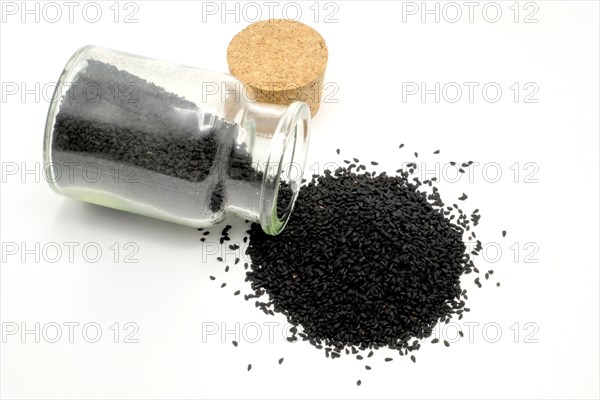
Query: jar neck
(267,162)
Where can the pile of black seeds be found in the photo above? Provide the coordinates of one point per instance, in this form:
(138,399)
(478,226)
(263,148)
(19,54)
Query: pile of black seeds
(366,260)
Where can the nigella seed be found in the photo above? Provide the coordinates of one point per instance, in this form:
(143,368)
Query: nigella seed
(503,233)
(374,163)
(354,243)
(220,259)
(234,343)
(401,145)
(416,155)
(223,285)
(436,152)
(237,292)
(212,278)
(338,151)
(281,360)
(227,268)
(463,197)
(368,367)
(249,367)
(498,284)
(388,359)
(358,382)
(446,343)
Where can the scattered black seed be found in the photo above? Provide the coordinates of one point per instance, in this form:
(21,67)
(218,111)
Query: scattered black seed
(413,358)
(436,152)
(212,278)
(416,155)
(354,266)
(227,268)
(374,163)
(462,171)
(234,343)
(359,357)
(388,359)
(281,359)
(370,354)
(237,292)
(338,151)
(223,285)
(368,367)
(498,284)
(249,367)
(503,233)
(220,259)
(446,343)
(234,246)
(463,197)
(435,340)
(358,382)
(401,145)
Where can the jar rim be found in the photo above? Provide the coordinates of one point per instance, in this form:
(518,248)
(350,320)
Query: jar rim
(289,147)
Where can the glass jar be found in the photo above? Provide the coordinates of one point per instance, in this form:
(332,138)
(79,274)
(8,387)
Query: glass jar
(172,142)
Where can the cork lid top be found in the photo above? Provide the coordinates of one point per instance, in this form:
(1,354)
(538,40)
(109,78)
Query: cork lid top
(279,51)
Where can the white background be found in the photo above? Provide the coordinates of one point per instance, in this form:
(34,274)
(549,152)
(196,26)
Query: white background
(376,50)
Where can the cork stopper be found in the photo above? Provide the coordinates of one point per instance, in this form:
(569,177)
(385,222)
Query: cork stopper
(280,61)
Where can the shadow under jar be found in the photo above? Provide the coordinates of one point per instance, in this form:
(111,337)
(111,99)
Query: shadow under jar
(172,142)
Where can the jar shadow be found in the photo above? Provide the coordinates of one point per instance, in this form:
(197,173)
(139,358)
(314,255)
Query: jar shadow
(74,216)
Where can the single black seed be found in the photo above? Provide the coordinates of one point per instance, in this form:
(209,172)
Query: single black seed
(446,343)
(370,354)
(358,382)
(374,163)
(281,359)
(401,145)
(368,367)
(234,343)
(436,152)
(498,284)
(413,358)
(435,340)
(212,278)
(227,268)
(359,357)
(249,367)
(220,259)
(388,359)
(503,233)
(416,154)
(223,285)
(237,292)
(338,151)
(463,197)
